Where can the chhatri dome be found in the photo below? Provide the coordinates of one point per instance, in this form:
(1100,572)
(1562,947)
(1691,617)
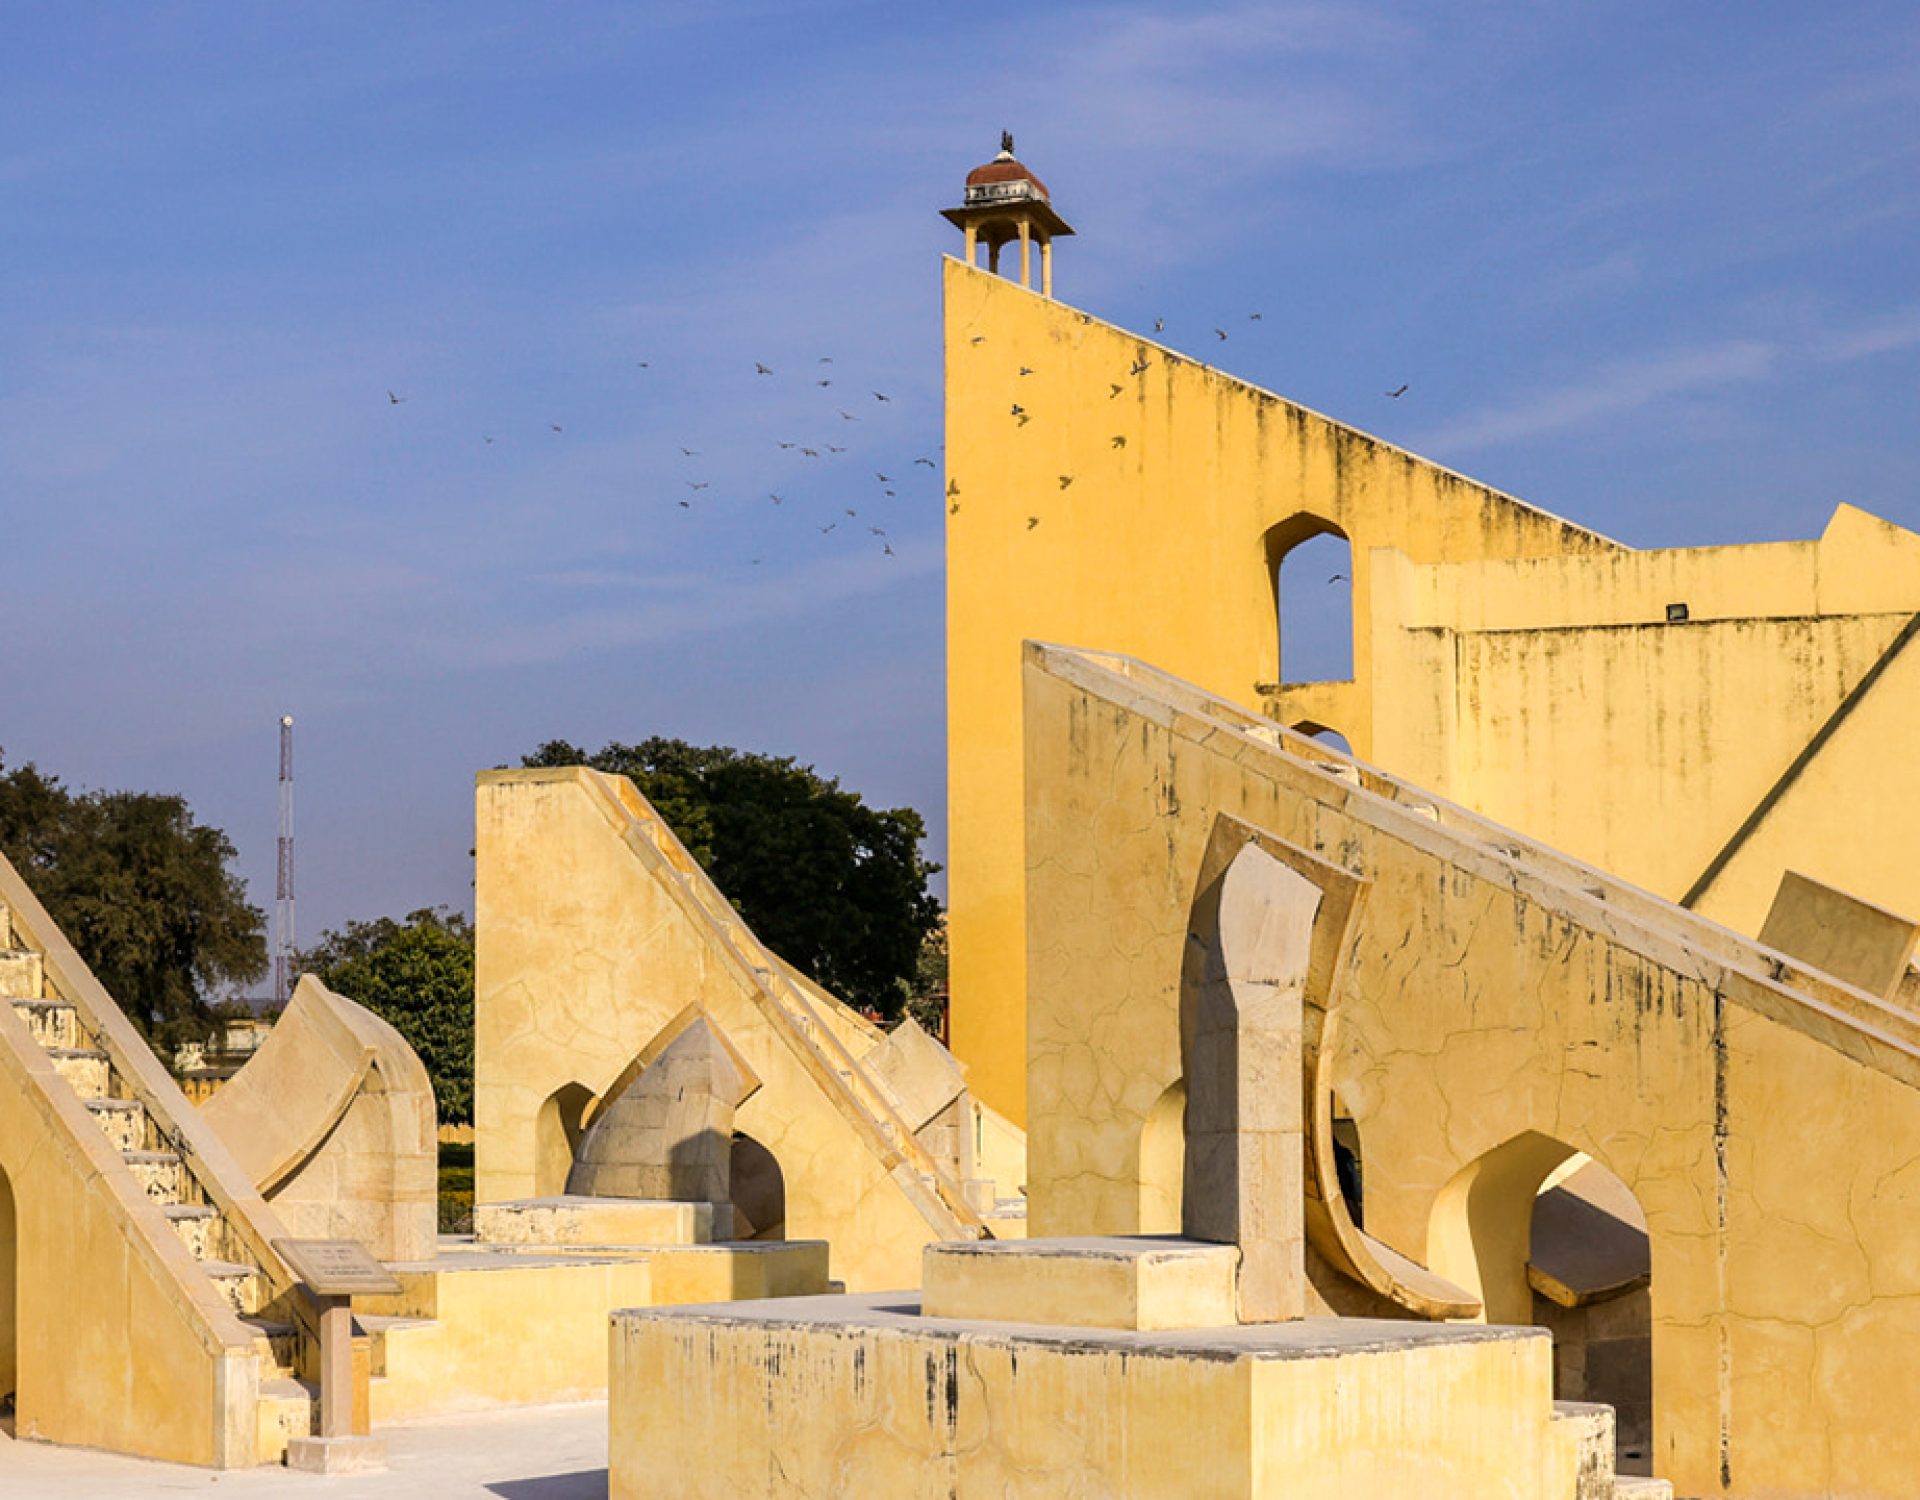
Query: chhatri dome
(1004,201)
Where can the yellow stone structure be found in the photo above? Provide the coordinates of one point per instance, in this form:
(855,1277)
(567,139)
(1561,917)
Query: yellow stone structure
(599,938)
(1696,721)
(1501,1011)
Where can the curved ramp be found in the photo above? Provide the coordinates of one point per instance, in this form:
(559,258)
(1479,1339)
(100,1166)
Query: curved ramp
(333,1119)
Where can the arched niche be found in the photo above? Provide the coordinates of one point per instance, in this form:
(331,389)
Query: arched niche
(557,1130)
(1163,1151)
(759,1191)
(1550,1237)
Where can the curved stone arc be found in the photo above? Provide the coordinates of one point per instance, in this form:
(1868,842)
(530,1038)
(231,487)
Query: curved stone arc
(274,1113)
(334,1119)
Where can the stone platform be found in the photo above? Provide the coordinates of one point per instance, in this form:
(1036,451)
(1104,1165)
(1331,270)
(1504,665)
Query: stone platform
(824,1397)
(1140,1282)
(480,1327)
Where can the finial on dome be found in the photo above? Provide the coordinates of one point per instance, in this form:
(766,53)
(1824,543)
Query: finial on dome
(1006,143)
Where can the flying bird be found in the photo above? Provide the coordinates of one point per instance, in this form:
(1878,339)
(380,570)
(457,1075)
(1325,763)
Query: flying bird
(953,487)
(954,509)
(695,453)
(760,369)
(811,452)
(927,461)
(686,505)
(1159,325)
(1253,317)
(889,493)
(887,547)
(881,477)
(488,441)
(774,498)
(823,382)
(853,512)
(1221,334)
(876,531)
(878,397)
(1026,369)
(554,425)
(832,449)
(697,485)
(1065,480)
(826,359)
(848,416)
(1032,521)
(1396,395)
(1119,440)
(789,445)
(823,530)
(1113,391)
(1139,366)
(1018,409)
(642,364)
(393,400)
(1339,578)
(979,338)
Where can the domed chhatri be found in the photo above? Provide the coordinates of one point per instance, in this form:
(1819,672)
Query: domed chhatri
(1004,201)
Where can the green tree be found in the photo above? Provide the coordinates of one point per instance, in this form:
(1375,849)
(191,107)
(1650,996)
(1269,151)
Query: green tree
(836,888)
(144,893)
(418,975)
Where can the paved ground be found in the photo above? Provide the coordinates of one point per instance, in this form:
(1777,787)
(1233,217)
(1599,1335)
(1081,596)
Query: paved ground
(532,1453)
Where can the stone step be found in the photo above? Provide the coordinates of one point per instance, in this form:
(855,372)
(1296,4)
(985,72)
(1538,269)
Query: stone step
(198,1227)
(1635,1487)
(52,1023)
(159,1172)
(240,1285)
(123,1120)
(379,1329)
(279,1346)
(22,974)
(89,1072)
(288,1409)
(1586,1428)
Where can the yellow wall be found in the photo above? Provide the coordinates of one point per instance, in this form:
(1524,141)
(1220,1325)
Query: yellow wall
(1158,547)
(1762,1115)
(587,948)
(1552,695)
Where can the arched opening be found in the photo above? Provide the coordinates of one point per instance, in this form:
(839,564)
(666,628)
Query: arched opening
(1349,1162)
(1325,735)
(556,1136)
(759,1191)
(1310,562)
(9,1299)
(1163,1152)
(1548,1236)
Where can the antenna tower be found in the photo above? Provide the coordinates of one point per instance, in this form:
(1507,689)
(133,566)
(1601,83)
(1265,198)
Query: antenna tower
(283,881)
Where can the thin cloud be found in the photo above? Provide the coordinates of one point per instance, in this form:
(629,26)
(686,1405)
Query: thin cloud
(1614,389)
(1888,335)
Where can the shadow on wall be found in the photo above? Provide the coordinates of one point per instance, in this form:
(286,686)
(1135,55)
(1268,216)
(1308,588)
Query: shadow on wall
(759,1191)
(1163,1161)
(9,1295)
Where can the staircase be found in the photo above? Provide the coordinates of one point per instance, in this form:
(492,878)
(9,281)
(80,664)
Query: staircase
(163,1175)
(941,1200)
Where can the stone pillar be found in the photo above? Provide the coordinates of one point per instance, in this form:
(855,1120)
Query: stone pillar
(973,240)
(1046,265)
(1249,946)
(1026,254)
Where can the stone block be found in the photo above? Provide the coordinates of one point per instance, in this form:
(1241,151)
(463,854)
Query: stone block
(1148,1282)
(593,1221)
(337,1455)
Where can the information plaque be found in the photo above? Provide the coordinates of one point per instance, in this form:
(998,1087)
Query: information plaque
(337,1268)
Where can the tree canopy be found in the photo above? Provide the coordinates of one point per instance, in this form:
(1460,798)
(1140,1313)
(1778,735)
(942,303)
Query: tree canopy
(142,891)
(417,974)
(835,887)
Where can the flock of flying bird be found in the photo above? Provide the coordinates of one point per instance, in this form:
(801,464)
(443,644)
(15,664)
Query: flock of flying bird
(888,484)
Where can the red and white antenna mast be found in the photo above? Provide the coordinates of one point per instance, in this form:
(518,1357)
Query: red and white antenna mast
(283,882)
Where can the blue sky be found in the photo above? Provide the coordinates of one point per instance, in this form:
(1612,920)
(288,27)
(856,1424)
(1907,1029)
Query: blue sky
(1650,266)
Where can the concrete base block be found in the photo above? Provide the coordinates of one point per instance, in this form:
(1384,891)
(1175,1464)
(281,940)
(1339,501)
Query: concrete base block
(337,1455)
(576,1220)
(1140,1282)
(864,1396)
